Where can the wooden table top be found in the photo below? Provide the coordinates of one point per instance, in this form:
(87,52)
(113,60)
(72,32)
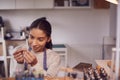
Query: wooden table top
(57,78)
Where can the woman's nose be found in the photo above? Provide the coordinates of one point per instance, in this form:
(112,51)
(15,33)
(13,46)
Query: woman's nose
(34,42)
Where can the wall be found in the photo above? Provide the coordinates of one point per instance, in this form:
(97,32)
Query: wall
(81,29)
(112,30)
(113,19)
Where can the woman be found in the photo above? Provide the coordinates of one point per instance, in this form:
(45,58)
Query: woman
(40,55)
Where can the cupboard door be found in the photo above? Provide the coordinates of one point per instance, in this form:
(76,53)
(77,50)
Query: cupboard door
(24,4)
(41,4)
(101,4)
(7,4)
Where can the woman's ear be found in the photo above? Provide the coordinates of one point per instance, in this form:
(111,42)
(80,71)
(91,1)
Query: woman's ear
(49,39)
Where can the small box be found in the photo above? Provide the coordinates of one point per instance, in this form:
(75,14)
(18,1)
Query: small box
(81,66)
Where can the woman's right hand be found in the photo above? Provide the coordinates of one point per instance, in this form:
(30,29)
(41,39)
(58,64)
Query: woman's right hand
(18,55)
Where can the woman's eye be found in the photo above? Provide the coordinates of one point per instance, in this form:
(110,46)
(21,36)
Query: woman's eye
(31,37)
(40,39)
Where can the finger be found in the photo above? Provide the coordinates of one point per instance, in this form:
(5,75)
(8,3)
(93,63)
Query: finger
(31,59)
(31,54)
(18,55)
(28,57)
(19,58)
(20,50)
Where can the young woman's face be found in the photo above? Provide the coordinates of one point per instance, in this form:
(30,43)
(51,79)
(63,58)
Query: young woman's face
(37,39)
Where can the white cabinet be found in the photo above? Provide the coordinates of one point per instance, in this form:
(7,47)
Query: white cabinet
(62,50)
(7,4)
(24,4)
(41,4)
(34,4)
(44,4)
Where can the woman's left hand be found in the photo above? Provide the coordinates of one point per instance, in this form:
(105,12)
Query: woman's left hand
(30,58)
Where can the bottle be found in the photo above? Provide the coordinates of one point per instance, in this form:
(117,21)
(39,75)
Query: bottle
(18,74)
(86,75)
(22,35)
(41,76)
(66,3)
(96,75)
(92,77)
(69,75)
(23,77)
(10,50)
(103,74)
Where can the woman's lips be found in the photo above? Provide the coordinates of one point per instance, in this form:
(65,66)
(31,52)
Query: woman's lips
(36,48)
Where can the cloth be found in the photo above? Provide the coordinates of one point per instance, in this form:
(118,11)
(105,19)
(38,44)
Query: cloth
(53,63)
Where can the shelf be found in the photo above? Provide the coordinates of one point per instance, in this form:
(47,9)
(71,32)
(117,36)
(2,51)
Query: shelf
(1,40)
(72,7)
(16,40)
(2,58)
(72,4)
(62,54)
(3,50)
(60,48)
(9,57)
